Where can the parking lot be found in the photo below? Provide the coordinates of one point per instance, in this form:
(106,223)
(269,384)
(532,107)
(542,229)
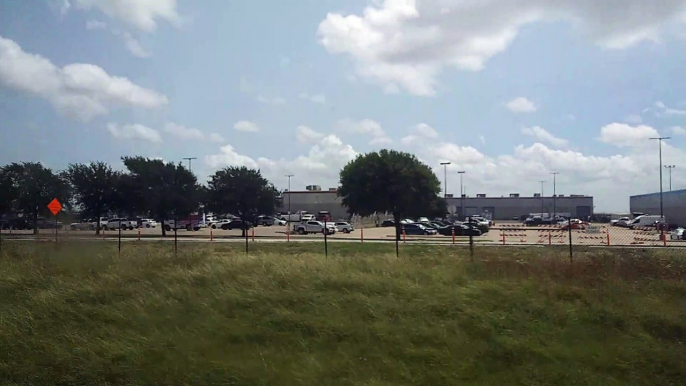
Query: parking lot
(503,233)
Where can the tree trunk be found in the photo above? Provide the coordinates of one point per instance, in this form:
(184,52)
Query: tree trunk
(97,223)
(396,219)
(35,222)
(164,226)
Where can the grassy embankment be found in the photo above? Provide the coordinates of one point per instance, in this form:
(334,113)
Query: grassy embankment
(285,315)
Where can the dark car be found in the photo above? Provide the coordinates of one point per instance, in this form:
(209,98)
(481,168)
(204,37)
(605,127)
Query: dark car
(460,230)
(15,223)
(483,228)
(236,224)
(388,223)
(418,229)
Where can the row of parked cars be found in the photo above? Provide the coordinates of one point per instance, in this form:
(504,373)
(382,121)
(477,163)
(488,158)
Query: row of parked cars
(472,226)
(113,223)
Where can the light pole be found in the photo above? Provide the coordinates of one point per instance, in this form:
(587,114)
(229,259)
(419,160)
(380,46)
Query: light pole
(670,167)
(190,159)
(288,229)
(542,182)
(445,178)
(554,193)
(461,173)
(659,140)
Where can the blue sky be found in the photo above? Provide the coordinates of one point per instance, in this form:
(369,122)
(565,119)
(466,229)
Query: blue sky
(509,91)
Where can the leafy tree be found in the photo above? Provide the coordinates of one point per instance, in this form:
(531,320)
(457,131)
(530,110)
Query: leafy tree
(8,192)
(95,188)
(389,181)
(163,190)
(35,187)
(241,191)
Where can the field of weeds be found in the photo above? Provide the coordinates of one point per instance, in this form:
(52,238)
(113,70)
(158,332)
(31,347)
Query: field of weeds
(80,314)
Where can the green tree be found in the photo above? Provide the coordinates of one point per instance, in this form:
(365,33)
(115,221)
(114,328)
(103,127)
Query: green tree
(389,181)
(95,188)
(241,191)
(8,192)
(35,187)
(160,189)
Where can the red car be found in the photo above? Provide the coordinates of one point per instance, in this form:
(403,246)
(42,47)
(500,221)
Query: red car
(576,224)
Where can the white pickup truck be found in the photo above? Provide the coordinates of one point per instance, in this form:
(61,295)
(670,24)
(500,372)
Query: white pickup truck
(314,226)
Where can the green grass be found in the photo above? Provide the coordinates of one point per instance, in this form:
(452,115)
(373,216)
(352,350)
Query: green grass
(77,314)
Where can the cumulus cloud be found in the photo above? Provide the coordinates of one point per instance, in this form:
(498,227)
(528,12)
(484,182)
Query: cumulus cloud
(246,126)
(541,134)
(319,98)
(215,137)
(95,24)
(367,127)
(662,109)
(79,90)
(633,119)
(134,132)
(305,134)
(142,14)
(134,46)
(183,132)
(678,130)
(521,105)
(621,135)
(407,43)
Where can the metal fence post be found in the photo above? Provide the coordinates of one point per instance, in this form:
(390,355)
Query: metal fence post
(326,243)
(571,254)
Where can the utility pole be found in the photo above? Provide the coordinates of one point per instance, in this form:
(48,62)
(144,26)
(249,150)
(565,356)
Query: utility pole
(461,173)
(288,230)
(542,182)
(554,193)
(659,140)
(445,178)
(670,167)
(190,159)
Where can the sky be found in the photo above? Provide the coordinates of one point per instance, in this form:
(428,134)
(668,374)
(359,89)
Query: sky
(508,91)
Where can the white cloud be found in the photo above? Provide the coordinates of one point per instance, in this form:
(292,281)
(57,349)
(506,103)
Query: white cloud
(246,126)
(229,157)
(521,105)
(319,98)
(64,8)
(482,139)
(134,132)
(408,43)
(663,109)
(79,90)
(142,14)
(368,127)
(216,137)
(620,134)
(183,132)
(305,134)
(95,24)
(543,135)
(678,130)
(633,119)
(271,101)
(134,46)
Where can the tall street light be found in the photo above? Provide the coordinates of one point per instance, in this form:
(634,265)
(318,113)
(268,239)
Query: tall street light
(670,167)
(461,173)
(542,182)
(554,193)
(445,178)
(190,159)
(659,141)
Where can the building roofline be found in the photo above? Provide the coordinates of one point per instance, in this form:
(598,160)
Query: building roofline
(673,192)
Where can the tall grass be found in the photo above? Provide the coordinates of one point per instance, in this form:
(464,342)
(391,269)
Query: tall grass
(78,314)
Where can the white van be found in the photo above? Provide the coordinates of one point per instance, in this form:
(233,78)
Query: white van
(646,220)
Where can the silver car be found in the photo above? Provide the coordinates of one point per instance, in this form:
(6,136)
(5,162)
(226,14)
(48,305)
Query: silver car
(344,227)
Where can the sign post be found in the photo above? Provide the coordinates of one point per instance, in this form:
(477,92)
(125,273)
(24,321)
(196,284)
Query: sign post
(55,207)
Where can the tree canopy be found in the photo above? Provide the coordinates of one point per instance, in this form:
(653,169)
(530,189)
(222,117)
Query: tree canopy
(389,181)
(95,188)
(164,190)
(241,191)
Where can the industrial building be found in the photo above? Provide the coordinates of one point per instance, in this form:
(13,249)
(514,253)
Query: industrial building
(674,205)
(314,200)
(507,208)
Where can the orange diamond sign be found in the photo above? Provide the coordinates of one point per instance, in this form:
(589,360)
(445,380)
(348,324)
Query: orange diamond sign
(55,207)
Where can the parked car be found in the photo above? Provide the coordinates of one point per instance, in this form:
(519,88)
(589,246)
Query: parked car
(323,216)
(44,223)
(575,224)
(279,222)
(147,223)
(645,220)
(483,228)
(236,224)
(460,230)
(621,222)
(18,223)
(83,225)
(388,223)
(314,227)
(677,234)
(123,223)
(265,221)
(418,229)
(345,227)
(298,216)
(189,225)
